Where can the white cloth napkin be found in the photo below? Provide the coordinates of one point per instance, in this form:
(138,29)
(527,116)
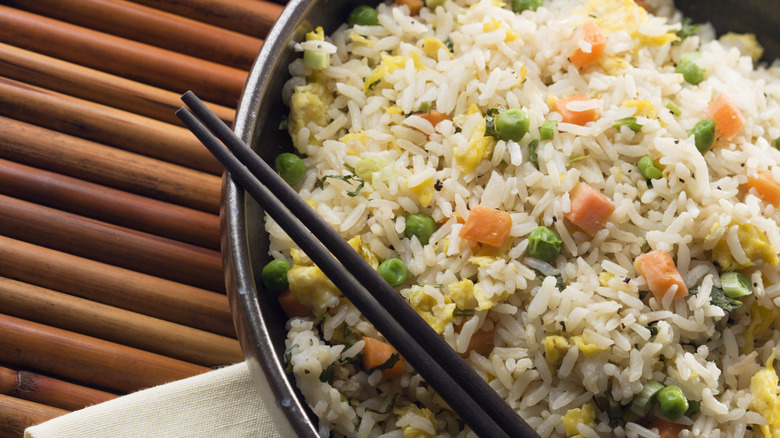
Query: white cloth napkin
(222,403)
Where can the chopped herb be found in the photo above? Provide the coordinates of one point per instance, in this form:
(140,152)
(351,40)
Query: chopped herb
(688,30)
(490,122)
(390,362)
(645,246)
(576,158)
(284,122)
(629,122)
(532,153)
(462,312)
(563,326)
(351,179)
(327,374)
(559,283)
(424,108)
(450,44)
(653,330)
(719,298)
(374,84)
(318,319)
(387,409)
(288,358)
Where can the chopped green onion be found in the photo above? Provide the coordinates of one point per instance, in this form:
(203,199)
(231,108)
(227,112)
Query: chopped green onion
(777,143)
(547,131)
(630,123)
(462,312)
(687,30)
(315,59)
(673,108)
(424,107)
(433,4)
(576,158)
(735,285)
(614,408)
(532,152)
(643,402)
(326,376)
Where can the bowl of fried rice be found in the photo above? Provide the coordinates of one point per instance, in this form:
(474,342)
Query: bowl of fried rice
(580,196)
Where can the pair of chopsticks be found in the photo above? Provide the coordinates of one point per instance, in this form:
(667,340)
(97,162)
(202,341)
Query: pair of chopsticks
(453,379)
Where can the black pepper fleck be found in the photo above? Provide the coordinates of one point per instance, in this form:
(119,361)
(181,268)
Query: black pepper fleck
(438,186)
(626,280)
(555,219)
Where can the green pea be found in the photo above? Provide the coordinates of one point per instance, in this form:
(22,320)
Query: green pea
(521,5)
(290,167)
(421,226)
(647,168)
(777,143)
(672,402)
(544,244)
(274,275)
(393,271)
(691,72)
(629,122)
(363,15)
(512,124)
(703,133)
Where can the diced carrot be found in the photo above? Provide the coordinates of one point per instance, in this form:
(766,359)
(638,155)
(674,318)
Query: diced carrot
(414,5)
(666,429)
(590,209)
(291,306)
(767,188)
(575,117)
(592,35)
(488,226)
(642,4)
(728,118)
(434,117)
(660,273)
(377,353)
(481,341)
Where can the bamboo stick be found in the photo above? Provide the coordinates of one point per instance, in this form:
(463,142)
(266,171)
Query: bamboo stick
(86,83)
(133,60)
(78,315)
(104,124)
(79,158)
(115,286)
(111,244)
(16,415)
(48,391)
(109,205)
(251,17)
(85,359)
(152,26)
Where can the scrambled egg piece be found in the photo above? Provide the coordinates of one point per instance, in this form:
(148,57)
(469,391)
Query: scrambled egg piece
(317,34)
(644,108)
(585,415)
(746,43)
(432,45)
(494,24)
(312,288)
(358,136)
(479,146)
(436,314)
(411,431)
(760,320)
(604,278)
(766,398)
(424,191)
(754,243)
(614,65)
(555,347)
(616,15)
(467,295)
(586,348)
(309,103)
(357,244)
(368,42)
(390,64)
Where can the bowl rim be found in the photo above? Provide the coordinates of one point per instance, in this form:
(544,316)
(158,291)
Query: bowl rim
(267,370)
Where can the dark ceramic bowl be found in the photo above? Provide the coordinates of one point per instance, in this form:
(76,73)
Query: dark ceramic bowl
(259,320)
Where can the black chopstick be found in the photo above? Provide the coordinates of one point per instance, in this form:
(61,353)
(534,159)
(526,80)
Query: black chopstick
(455,381)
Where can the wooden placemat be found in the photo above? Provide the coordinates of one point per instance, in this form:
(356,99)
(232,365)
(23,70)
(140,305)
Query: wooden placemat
(110,271)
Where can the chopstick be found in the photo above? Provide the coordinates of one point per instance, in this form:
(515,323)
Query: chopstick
(454,380)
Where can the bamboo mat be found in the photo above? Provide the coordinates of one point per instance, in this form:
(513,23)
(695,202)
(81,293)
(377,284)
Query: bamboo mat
(110,270)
